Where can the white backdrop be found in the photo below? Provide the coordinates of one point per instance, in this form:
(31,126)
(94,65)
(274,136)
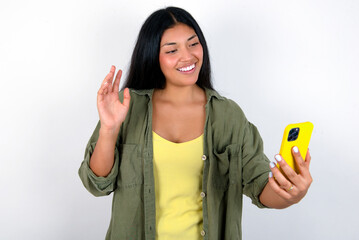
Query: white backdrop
(282,61)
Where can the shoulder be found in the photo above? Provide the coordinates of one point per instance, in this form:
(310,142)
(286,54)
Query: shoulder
(224,107)
(139,98)
(139,104)
(138,93)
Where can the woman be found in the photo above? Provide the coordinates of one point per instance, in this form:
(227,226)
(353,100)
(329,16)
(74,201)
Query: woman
(176,154)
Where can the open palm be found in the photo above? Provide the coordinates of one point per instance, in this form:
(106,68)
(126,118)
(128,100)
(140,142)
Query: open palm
(112,112)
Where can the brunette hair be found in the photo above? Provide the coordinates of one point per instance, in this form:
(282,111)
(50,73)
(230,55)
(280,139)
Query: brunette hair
(145,71)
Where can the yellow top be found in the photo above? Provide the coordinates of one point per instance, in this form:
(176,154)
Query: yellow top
(178,184)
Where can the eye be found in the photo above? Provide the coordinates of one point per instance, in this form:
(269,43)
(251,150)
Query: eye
(194,44)
(172,51)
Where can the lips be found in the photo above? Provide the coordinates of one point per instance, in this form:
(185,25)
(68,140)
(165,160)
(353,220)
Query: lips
(188,68)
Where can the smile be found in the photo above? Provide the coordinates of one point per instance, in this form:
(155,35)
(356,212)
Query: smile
(187,69)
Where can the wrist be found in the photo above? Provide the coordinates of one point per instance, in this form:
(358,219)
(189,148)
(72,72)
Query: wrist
(109,133)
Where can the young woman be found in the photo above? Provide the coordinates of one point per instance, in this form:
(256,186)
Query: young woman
(177,155)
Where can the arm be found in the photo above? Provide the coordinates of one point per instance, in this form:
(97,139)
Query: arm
(103,157)
(98,185)
(99,169)
(112,114)
(281,192)
(255,165)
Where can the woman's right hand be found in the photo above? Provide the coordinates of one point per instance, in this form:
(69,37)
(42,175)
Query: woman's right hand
(112,112)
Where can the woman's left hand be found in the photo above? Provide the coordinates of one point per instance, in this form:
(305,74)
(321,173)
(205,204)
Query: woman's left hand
(294,186)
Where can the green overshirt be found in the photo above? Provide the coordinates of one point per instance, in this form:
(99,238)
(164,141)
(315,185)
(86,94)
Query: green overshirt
(234,164)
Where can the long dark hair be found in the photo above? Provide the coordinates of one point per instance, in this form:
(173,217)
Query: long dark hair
(145,71)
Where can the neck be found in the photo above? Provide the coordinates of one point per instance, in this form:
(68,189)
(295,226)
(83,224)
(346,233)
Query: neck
(181,95)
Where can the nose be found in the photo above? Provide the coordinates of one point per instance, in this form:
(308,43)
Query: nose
(186,55)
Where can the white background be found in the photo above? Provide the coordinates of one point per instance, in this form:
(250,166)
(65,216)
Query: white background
(282,61)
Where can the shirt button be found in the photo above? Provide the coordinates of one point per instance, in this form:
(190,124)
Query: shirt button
(203,233)
(204,157)
(203,194)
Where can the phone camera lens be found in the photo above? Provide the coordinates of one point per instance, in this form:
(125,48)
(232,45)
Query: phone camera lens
(293,134)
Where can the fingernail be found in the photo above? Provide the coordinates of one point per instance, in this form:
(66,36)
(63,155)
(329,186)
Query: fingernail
(295,149)
(278,158)
(272,165)
(270,174)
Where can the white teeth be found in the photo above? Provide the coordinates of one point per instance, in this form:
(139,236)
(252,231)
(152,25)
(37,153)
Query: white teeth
(186,69)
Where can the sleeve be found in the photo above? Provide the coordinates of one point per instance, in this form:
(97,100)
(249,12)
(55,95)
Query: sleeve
(98,186)
(255,165)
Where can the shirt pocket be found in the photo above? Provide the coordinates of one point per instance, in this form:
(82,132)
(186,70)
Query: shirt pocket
(225,167)
(130,173)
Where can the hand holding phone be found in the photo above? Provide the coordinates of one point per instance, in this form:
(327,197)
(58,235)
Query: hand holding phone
(286,187)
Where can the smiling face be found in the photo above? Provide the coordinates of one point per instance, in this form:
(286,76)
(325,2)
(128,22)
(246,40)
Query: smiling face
(181,55)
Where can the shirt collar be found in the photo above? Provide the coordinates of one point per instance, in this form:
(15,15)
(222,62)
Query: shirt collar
(149,92)
(143,92)
(212,93)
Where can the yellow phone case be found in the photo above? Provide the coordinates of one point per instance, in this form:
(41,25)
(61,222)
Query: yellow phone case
(304,132)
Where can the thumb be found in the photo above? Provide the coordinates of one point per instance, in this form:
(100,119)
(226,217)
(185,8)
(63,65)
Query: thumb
(126,97)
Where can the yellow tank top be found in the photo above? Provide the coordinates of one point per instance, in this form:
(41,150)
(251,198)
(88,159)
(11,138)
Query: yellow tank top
(178,182)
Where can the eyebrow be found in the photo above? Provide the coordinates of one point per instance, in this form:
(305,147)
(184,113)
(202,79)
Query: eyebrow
(173,43)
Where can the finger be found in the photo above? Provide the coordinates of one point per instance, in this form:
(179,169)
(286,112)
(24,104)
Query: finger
(110,79)
(103,87)
(116,84)
(287,170)
(126,97)
(281,179)
(110,75)
(302,167)
(277,189)
(101,92)
(106,82)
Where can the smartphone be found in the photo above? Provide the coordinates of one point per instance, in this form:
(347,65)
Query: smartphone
(295,135)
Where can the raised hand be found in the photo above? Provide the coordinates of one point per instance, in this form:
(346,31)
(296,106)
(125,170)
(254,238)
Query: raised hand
(111,111)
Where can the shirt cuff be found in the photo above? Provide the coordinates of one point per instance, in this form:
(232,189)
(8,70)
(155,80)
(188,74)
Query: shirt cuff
(95,184)
(258,187)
